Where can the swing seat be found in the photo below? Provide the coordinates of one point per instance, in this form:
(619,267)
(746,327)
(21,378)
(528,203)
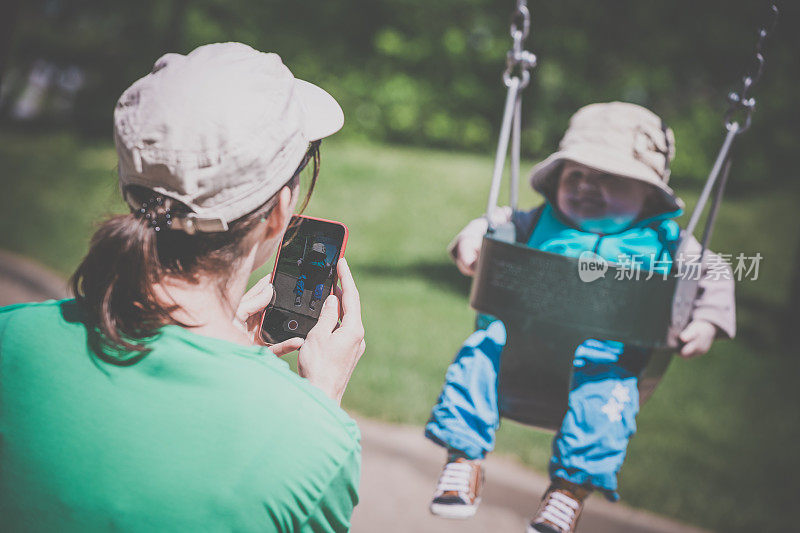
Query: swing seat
(549,311)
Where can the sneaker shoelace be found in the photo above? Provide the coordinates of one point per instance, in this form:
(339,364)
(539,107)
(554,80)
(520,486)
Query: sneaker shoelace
(560,510)
(455,477)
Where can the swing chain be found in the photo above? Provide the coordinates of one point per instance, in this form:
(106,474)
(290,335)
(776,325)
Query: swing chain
(741,100)
(521,61)
(517,57)
(718,177)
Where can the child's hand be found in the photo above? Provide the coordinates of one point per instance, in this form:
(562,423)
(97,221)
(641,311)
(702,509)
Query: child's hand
(466,247)
(467,251)
(697,338)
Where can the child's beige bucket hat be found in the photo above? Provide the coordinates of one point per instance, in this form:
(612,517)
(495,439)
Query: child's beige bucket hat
(618,138)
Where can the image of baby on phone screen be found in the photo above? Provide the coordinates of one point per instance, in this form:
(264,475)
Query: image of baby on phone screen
(315,269)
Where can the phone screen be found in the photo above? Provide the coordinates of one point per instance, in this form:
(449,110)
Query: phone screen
(304,275)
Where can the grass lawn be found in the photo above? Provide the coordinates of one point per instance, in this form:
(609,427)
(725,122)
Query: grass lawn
(717,444)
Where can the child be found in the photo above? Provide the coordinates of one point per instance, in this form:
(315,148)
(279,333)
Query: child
(605,191)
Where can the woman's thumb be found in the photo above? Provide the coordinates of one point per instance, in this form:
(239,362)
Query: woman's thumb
(328,315)
(255,300)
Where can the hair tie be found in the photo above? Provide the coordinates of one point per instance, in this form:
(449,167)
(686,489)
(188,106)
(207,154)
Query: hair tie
(158,217)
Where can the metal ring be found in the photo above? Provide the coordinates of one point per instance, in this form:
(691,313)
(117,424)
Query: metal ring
(748,117)
(526,79)
(773,18)
(734,126)
(759,66)
(524,13)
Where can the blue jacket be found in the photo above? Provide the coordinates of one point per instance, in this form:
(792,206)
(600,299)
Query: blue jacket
(651,241)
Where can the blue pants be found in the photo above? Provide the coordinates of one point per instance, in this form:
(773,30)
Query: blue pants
(590,446)
(300,286)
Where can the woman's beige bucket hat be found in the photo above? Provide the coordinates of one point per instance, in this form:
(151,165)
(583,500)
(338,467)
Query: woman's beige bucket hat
(618,138)
(221,129)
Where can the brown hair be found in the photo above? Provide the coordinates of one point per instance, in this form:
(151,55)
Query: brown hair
(127,256)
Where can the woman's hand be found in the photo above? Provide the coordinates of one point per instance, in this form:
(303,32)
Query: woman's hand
(697,338)
(248,316)
(334,346)
(466,253)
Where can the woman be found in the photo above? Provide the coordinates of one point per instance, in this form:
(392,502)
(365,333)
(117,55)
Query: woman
(144,403)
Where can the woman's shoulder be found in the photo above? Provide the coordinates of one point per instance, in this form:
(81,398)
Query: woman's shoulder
(255,373)
(296,439)
(33,307)
(320,410)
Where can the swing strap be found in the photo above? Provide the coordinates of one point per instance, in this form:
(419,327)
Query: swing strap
(741,103)
(516,77)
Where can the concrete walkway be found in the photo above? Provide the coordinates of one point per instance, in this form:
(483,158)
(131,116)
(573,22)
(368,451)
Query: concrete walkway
(400,467)
(23,280)
(399,471)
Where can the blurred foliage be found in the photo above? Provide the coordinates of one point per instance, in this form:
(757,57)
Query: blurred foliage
(428,73)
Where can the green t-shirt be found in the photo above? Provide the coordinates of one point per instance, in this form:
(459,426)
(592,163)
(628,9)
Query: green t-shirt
(200,435)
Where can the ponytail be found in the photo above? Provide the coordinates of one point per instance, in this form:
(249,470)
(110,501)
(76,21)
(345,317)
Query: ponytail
(114,285)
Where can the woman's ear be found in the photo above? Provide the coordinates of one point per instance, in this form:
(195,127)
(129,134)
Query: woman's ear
(278,218)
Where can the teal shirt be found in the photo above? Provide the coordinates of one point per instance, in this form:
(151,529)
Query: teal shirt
(200,435)
(649,243)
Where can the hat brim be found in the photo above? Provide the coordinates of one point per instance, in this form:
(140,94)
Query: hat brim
(322,115)
(542,174)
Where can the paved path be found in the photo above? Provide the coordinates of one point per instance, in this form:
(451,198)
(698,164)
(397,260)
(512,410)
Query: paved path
(400,467)
(23,280)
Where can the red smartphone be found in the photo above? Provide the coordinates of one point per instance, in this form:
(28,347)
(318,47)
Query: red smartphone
(304,275)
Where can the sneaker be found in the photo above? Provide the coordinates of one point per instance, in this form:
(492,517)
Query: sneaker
(458,492)
(560,508)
